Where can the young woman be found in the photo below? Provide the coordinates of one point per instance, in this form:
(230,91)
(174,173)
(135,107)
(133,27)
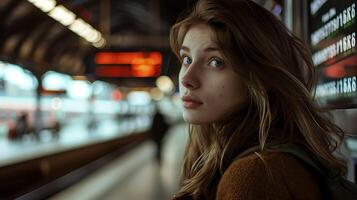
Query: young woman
(246,85)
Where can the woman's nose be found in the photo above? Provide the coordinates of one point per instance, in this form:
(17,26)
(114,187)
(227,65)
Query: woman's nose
(189,84)
(189,79)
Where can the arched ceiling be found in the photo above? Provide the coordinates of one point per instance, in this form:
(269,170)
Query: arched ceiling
(29,37)
(37,42)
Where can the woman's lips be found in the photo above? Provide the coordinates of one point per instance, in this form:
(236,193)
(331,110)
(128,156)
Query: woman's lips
(190,102)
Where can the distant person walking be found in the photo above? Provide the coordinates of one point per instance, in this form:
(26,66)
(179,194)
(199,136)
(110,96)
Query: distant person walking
(158,130)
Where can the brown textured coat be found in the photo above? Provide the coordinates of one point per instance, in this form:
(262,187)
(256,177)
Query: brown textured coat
(274,175)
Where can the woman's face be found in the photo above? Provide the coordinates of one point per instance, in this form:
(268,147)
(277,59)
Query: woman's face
(209,87)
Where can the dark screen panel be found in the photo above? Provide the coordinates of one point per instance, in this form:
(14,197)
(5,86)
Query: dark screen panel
(332,38)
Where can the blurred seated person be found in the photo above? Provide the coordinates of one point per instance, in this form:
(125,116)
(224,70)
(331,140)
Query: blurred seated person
(20,127)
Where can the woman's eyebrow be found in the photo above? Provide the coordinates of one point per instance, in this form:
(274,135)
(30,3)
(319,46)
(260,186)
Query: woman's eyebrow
(211,49)
(184,48)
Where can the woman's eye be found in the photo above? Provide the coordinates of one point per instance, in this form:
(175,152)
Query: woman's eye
(186,60)
(216,63)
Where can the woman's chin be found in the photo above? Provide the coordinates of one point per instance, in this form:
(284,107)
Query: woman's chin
(194,121)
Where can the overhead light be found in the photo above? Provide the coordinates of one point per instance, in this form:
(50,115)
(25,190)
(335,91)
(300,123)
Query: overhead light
(44,5)
(78,26)
(70,20)
(88,32)
(62,15)
(100,43)
(94,36)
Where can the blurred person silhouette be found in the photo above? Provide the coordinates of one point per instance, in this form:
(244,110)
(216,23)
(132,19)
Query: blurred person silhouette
(157,132)
(21,125)
(93,123)
(56,129)
(246,85)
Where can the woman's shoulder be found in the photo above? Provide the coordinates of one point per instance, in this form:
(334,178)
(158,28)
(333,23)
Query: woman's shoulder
(268,175)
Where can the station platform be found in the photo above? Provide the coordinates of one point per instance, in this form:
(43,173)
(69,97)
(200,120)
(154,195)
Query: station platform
(74,134)
(50,163)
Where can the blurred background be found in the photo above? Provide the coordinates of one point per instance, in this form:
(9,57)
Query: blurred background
(89,105)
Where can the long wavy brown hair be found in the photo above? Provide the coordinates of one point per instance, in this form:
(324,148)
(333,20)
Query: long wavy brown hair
(277,69)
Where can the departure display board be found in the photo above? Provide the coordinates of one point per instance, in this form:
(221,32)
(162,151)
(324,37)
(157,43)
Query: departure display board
(332,37)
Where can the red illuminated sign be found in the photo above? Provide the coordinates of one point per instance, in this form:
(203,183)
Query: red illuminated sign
(128,64)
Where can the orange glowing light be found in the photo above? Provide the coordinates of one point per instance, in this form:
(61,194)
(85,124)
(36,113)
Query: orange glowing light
(128,64)
(346,67)
(107,58)
(143,70)
(335,72)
